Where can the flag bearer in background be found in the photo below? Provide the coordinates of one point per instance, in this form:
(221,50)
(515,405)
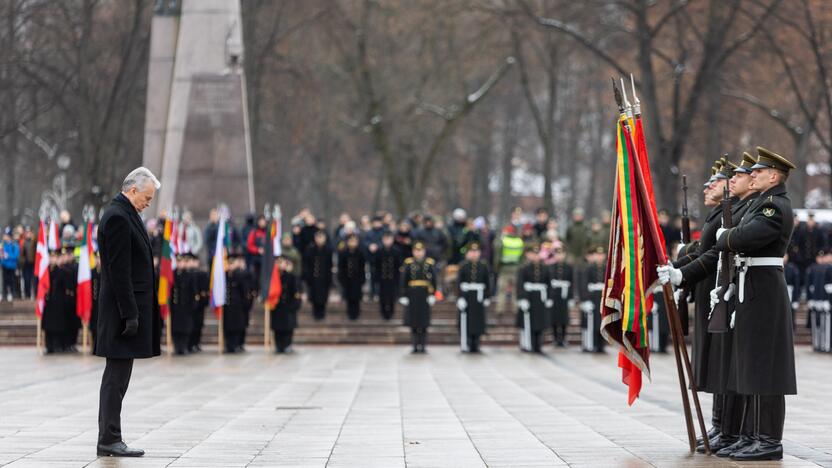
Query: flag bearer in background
(417,295)
(590,290)
(203,290)
(534,293)
(68,270)
(473,292)
(284,314)
(54,320)
(184,296)
(240,294)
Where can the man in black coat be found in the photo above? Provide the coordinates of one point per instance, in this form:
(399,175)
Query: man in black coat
(240,292)
(317,272)
(129,325)
(387,263)
(284,316)
(418,291)
(534,293)
(763,349)
(474,292)
(184,296)
(351,275)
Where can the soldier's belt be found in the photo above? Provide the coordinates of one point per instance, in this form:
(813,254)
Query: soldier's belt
(564,287)
(595,287)
(419,284)
(744,263)
(478,287)
(537,287)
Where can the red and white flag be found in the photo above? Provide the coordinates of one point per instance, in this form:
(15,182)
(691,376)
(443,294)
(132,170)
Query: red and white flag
(54,238)
(41,269)
(83,294)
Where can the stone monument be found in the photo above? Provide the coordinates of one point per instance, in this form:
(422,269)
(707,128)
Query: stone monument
(196,126)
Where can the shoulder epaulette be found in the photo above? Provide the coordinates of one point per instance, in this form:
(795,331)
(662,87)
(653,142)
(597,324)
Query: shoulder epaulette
(408,260)
(430,261)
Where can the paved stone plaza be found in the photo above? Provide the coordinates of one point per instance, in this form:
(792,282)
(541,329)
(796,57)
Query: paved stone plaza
(365,406)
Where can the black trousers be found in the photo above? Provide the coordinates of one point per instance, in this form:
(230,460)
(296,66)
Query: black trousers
(114,384)
(353,309)
(196,334)
(419,338)
(387,304)
(473,343)
(559,332)
(319,310)
(764,416)
(54,342)
(180,342)
(233,340)
(283,339)
(537,341)
(28,277)
(9,282)
(730,413)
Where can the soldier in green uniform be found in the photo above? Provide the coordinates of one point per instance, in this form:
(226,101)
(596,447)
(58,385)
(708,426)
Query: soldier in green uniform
(417,295)
(763,349)
(473,290)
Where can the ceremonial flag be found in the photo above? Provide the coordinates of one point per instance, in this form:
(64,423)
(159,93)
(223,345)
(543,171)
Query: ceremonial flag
(165,271)
(272,250)
(41,269)
(631,261)
(218,270)
(83,295)
(275,287)
(54,238)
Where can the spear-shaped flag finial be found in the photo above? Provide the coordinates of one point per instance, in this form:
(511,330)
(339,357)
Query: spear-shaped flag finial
(618,100)
(627,106)
(636,101)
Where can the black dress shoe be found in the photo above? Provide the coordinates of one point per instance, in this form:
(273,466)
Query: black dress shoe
(713,432)
(718,443)
(118,449)
(761,450)
(744,443)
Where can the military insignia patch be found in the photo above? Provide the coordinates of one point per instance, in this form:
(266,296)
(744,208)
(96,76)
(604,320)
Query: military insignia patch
(769,212)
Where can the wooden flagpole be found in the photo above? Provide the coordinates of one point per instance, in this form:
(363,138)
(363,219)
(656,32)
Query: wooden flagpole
(85,339)
(169,333)
(267,325)
(220,337)
(39,335)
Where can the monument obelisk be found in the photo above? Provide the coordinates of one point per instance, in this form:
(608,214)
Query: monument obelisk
(196,126)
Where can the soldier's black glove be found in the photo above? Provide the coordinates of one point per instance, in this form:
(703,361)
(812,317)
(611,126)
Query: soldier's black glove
(131,327)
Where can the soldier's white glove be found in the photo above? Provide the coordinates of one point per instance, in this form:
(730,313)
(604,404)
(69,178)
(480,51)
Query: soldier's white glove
(587,307)
(730,292)
(404,301)
(523,304)
(668,274)
(431,300)
(486,302)
(570,303)
(795,305)
(733,318)
(677,294)
(461,303)
(828,288)
(720,232)
(550,303)
(714,295)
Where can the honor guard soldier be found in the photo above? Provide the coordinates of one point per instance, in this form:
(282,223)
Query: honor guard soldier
(793,284)
(473,292)
(698,271)
(317,272)
(352,275)
(54,321)
(387,264)
(418,289)
(763,347)
(561,274)
(284,316)
(68,269)
(818,294)
(240,294)
(184,297)
(534,293)
(203,286)
(589,292)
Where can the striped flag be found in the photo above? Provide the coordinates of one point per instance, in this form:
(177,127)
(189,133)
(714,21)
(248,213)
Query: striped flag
(54,238)
(631,261)
(41,269)
(165,271)
(218,270)
(86,261)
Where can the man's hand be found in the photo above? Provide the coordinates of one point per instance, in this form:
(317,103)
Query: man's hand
(714,295)
(730,292)
(461,303)
(431,300)
(131,327)
(404,301)
(523,304)
(486,302)
(720,232)
(668,274)
(587,307)
(550,303)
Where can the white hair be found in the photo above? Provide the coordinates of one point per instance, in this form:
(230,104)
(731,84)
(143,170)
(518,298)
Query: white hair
(139,178)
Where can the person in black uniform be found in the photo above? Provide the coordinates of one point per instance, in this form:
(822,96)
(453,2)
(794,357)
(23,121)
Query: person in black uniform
(53,321)
(240,294)
(387,263)
(202,280)
(700,274)
(792,284)
(284,316)
(95,279)
(473,291)
(68,269)
(184,296)
(317,272)
(417,295)
(763,349)
(590,289)
(561,274)
(716,357)
(533,292)
(817,276)
(351,274)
